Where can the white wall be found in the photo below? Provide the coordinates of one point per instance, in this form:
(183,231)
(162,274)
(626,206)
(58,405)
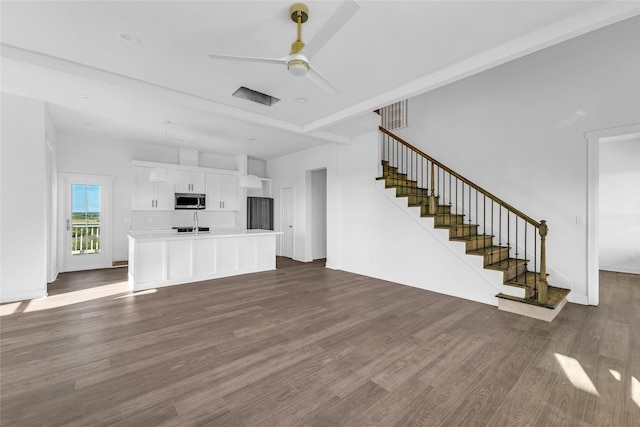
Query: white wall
(291,171)
(619,231)
(318,210)
(518,131)
(23,195)
(366,232)
(51,199)
(87,154)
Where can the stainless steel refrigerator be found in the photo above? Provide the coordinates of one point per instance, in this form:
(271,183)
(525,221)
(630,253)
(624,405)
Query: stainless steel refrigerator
(259,213)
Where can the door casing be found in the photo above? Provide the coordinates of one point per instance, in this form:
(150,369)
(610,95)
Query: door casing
(105,259)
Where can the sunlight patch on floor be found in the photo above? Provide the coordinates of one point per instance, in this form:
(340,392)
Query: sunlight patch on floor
(615,374)
(635,391)
(137,294)
(9,308)
(75,297)
(575,374)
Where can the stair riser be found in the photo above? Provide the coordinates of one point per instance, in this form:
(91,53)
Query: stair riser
(514,272)
(416,200)
(449,219)
(496,256)
(393,173)
(424,210)
(463,231)
(479,243)
(405,191)
(398,182)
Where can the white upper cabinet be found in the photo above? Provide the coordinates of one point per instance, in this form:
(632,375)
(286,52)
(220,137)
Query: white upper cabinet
(147,195)
(219,186)
(191,182)
(222,192)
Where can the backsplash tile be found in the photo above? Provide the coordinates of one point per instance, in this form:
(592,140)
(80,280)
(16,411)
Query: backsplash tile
(164,220)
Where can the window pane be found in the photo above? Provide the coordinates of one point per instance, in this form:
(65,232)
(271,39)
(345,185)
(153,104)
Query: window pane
(85,219)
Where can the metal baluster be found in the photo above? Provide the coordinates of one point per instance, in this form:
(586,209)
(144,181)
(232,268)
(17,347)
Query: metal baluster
(516,253)
(500,225)
(508,238)
(456,218)
(484,218)
(525,252)
(450,200)
(492,223)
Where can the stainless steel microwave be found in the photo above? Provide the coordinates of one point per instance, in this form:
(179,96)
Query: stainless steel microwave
(190,201)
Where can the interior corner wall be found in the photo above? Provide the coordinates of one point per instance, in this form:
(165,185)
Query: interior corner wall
(291,172)
(619,228)
(23,195)
(517,130)
(318,224)
(52,199)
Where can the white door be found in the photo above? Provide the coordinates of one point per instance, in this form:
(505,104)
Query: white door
(286,249)
(87,239)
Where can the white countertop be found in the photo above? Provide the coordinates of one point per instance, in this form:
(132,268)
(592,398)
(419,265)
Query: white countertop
(213,233)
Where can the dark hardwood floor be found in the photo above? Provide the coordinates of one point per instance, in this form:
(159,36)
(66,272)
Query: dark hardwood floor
(305,346)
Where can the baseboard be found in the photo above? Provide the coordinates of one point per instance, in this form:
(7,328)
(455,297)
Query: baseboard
(578,299)
(618,269)
(22,296)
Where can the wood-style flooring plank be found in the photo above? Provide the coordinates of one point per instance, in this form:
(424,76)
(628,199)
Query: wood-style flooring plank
(306,345)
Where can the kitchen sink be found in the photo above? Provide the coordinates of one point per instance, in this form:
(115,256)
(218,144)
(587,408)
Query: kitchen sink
(190,229)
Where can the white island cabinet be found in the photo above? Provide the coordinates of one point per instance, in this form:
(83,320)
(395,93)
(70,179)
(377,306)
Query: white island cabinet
(159,259)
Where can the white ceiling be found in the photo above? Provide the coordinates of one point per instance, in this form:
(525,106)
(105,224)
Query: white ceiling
(389,50)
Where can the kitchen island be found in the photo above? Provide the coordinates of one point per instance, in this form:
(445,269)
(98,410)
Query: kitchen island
(165,258)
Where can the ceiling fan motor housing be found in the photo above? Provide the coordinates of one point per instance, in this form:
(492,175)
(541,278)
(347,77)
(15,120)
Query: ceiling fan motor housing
(300,10)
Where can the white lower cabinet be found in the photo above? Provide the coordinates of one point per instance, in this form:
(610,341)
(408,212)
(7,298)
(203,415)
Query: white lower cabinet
(149,262)
(164,259)
(178,259)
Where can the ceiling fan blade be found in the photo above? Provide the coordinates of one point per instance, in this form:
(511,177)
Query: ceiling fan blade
(323,83)
(250,59)
(340,17)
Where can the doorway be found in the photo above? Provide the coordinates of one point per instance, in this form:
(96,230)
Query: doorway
(594,139)
(318,210)
(287,248)
(85,222)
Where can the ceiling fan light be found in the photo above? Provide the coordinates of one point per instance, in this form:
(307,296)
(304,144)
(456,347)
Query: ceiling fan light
(298,67)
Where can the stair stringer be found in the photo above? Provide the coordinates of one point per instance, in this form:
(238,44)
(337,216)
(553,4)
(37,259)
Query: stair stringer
(491,280)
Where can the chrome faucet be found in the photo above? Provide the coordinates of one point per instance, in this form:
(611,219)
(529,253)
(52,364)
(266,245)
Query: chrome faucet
(195,221)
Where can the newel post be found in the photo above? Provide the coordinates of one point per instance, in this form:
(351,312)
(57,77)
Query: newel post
(542,283)
(432,199)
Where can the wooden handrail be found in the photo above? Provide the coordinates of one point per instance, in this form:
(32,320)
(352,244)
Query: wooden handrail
(463,179)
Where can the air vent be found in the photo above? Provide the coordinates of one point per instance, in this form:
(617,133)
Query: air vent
(395,116)
(255,96)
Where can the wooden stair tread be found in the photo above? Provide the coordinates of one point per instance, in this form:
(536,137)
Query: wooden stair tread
(456,225)
(527,279)
(555,296)
(444,215)
(471,238)
(488,249)
(506,264)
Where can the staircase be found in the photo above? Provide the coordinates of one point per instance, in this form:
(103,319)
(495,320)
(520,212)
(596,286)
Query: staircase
(508,240)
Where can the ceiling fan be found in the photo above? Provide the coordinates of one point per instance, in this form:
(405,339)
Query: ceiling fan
(298,61)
